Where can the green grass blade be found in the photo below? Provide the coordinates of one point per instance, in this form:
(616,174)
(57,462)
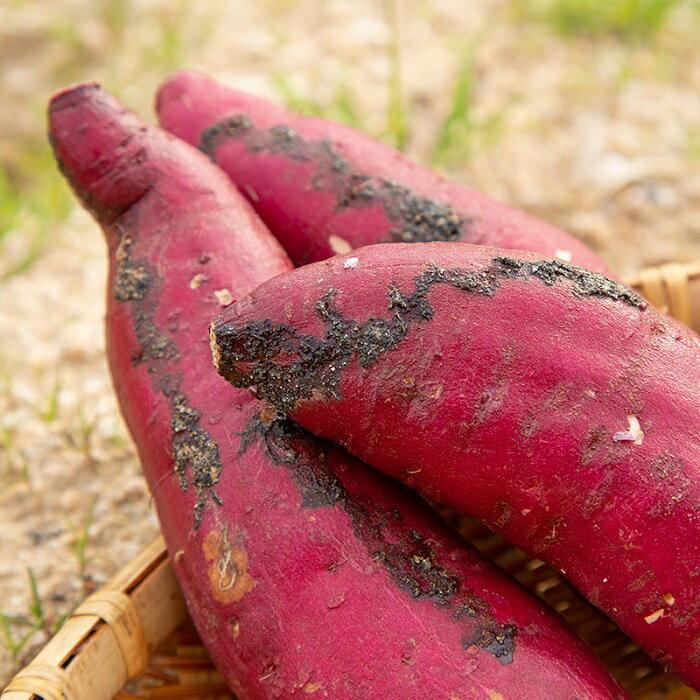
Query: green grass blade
(397,116)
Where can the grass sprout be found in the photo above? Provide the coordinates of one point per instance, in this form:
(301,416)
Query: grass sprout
(626,19)
(16,631)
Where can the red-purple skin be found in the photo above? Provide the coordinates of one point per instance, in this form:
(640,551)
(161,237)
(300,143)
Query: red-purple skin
(306,573)
(550,403)
(323,188)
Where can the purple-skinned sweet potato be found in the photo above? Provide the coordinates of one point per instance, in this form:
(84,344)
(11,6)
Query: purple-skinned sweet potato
(307,573)
(324,188)
(550,402)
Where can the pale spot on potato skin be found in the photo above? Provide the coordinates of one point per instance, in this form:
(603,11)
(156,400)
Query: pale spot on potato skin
(197,280)
(653,617)
(564,255)
(228,568)
(224,297)
(351,263)
(633,434)
(338,245)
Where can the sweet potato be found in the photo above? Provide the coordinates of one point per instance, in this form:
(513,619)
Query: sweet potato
(550,402)
(323,188)
(305,572)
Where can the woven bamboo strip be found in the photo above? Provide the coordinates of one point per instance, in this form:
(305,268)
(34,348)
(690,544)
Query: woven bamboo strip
(673,289)
(110,637)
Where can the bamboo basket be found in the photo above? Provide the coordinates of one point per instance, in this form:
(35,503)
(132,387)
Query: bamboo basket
(133,639)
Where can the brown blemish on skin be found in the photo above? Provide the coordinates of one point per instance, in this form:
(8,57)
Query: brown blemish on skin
(194,450)
(595,440)
(229,579)
(195,453)
(599,496)
(668,475)
(131,279)
(496,638)
(287,444)
(584,283)
(641,582)
(529,426)
(410,560)
(314,688)
(414,218)
(505,511)
(249,354)
(153,344)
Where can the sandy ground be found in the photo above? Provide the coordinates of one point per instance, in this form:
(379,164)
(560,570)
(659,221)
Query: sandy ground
(597,136)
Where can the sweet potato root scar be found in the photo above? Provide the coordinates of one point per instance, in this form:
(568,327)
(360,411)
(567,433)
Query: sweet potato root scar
(653,617)
(339,245)
(224,297)
(228,568)
(634,433)
(197,280)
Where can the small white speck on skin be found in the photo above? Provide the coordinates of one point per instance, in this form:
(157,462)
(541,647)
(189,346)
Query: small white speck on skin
(653,617)
(224,297)
(525,511)
(605,580)
(338,245)
(633,434)
(591,393)
(197,280)
(669,599)
(564,255)
(351,263)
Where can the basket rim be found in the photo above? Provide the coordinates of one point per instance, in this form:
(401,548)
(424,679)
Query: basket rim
(115,630)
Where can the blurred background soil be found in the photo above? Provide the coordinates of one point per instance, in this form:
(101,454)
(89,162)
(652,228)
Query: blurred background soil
(583,112)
